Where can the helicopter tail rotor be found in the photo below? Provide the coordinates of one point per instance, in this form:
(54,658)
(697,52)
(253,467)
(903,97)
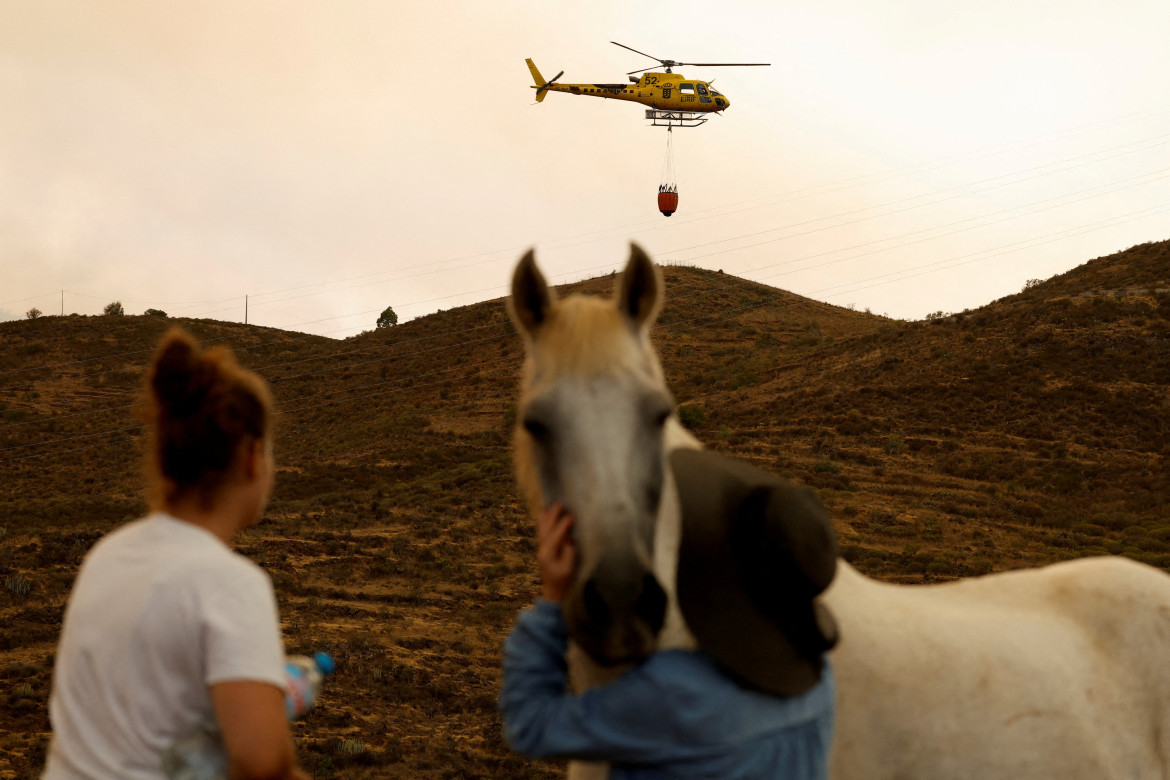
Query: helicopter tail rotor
(542,90)
(541,85)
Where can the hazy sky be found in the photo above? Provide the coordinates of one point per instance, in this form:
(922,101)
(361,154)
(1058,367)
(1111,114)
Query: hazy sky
(331,158)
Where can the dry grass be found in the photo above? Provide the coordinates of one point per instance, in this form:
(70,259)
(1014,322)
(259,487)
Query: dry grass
(1032,430)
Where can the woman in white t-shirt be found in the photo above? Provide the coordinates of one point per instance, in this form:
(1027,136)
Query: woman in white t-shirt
(166,626)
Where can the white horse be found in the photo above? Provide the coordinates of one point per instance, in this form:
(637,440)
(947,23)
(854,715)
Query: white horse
(1057,672)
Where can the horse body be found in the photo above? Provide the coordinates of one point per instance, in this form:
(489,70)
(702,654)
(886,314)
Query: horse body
(1062,671)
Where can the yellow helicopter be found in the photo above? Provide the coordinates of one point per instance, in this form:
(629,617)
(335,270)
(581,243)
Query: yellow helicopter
(673,98)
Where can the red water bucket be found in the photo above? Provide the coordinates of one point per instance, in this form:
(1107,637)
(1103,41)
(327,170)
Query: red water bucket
(667,203)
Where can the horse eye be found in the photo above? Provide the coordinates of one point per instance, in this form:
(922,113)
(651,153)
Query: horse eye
(536,429)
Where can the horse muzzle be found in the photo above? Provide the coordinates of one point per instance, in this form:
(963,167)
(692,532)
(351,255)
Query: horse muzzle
(615,615)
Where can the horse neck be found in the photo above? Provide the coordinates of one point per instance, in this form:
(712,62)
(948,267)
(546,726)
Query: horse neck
(865,609)
(675,634)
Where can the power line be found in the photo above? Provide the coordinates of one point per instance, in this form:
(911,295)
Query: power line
(732,238)
(1103,190)
(29,298)
(1106,190)
(917,197)
(152,302)
(1077,231)
(1147,147)
(803,192)
(997,251)
(942,162)
(685,249)
(401,356)
(70,438)
(1031,242)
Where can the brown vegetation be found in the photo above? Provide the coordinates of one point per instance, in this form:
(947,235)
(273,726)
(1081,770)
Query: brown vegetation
(1028,431)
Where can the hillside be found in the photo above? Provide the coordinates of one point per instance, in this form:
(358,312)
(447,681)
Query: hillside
(1033,429)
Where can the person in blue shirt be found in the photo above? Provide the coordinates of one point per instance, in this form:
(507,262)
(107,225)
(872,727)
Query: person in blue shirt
(683,713)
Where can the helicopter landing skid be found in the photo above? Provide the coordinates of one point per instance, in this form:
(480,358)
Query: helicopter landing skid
(675,118)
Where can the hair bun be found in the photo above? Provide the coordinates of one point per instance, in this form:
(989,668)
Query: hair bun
(182,378)
(202,411)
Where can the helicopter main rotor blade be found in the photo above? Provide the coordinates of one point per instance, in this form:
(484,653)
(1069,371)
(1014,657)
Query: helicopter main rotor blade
(644,54)
(723,64)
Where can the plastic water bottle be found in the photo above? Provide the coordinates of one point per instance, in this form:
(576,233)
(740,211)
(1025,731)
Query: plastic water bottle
(200,754)
(303,677)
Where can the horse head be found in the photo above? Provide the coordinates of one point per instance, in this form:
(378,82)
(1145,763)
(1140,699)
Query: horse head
(590,433)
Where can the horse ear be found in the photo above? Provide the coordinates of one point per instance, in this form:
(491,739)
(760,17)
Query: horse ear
(640,289)
(531,299)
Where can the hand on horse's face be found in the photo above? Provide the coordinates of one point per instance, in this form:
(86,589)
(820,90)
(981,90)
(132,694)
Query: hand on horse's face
(556,553)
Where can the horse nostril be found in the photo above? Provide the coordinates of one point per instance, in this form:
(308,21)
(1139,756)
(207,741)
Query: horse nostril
(651,605)
(595,607)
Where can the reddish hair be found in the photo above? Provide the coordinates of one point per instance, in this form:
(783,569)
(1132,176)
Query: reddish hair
(202,410)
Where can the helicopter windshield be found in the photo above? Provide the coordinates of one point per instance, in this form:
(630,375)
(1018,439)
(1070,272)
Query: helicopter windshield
(714,91)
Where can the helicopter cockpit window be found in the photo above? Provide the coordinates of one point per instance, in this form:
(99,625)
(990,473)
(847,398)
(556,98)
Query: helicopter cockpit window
(686,89)
(701,88)
(715,91)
